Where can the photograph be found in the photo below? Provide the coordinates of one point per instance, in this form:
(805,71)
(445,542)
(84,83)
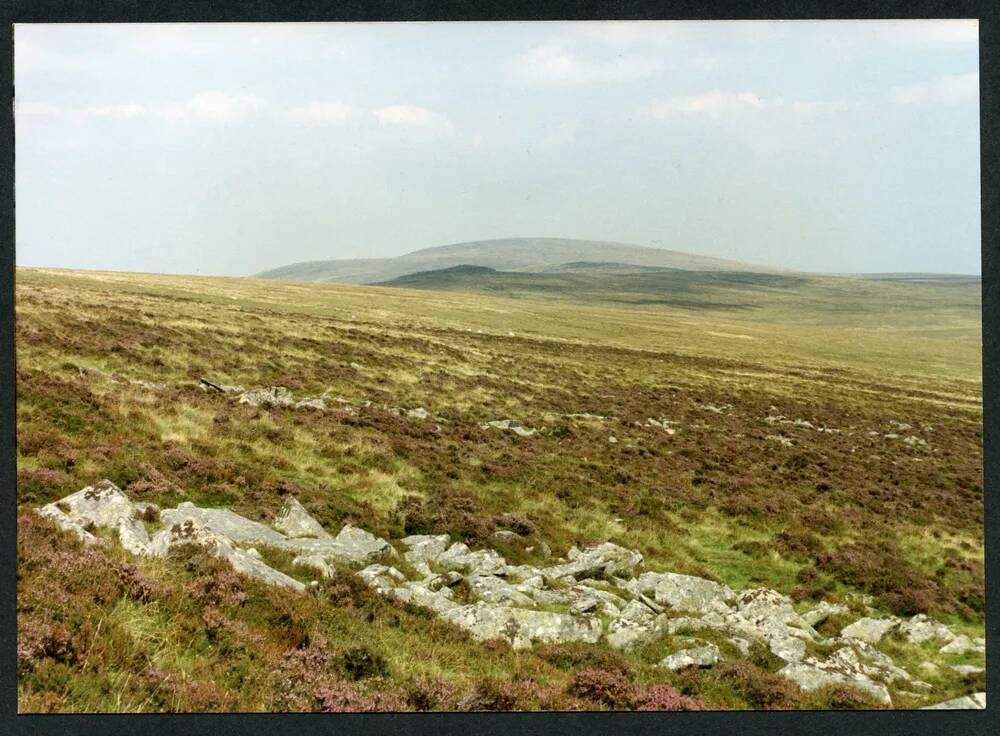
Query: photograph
(400,367)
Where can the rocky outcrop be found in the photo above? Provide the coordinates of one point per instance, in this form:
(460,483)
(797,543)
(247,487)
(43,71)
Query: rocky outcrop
(597,593)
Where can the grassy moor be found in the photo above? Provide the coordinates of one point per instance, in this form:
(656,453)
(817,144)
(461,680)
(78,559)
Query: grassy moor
(819,437)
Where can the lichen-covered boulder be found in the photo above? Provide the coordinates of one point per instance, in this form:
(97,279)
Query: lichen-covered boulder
(192,531)
(481,562)
(922,628)
(64,522)
(522,628)
(602,561)
(100,505)
(225,523)
(491,589)
(273,396)
(684,592)
(870,630)
(962,644)
(705,656)
(812,674)
(635,625)
(295,522)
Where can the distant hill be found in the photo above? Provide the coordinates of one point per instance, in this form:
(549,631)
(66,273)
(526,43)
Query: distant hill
(530,255)
(786,297)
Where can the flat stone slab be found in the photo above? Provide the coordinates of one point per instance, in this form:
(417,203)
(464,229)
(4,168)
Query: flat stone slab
(225,523)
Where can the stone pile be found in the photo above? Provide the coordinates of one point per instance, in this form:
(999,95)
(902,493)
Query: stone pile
(597,594)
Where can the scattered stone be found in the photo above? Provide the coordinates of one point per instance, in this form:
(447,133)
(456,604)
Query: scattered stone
(316,403)
(702,657)
(962,644)
(273,396)
(418,413)
(613,440)
(510,424)
(965,670)
(780,439)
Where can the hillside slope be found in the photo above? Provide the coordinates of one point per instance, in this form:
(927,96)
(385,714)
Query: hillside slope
(838,464)
(507,254)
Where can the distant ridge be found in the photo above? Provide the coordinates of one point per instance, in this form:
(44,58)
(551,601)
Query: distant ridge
(530,255)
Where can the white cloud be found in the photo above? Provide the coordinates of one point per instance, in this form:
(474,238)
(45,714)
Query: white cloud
(215,107)
(317,114)
(411,116)
(712,103)
(130,110)
(37,109)
(941,90)
(552,63)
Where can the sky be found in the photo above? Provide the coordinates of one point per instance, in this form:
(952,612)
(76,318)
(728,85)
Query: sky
(229,149)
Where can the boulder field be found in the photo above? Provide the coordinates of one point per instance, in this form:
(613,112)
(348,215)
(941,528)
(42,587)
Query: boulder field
(598,595)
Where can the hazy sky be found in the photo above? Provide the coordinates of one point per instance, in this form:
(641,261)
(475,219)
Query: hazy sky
(229,149)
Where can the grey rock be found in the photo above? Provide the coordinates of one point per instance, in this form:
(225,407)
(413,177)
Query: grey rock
(604,560)
(317,403)
(921,628)
(968,669)
(424,547)
(294,521)
(811,674)
(481,562)
(962,644)
(683,592)
(702,657)
(975,701)
(491,589)
(522,628)
(871,630)
(192,531)
(273,396)
(64,522)
(102,504)
(415,594)
(418,413)
(512,425)
(225,523)
(822,612)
